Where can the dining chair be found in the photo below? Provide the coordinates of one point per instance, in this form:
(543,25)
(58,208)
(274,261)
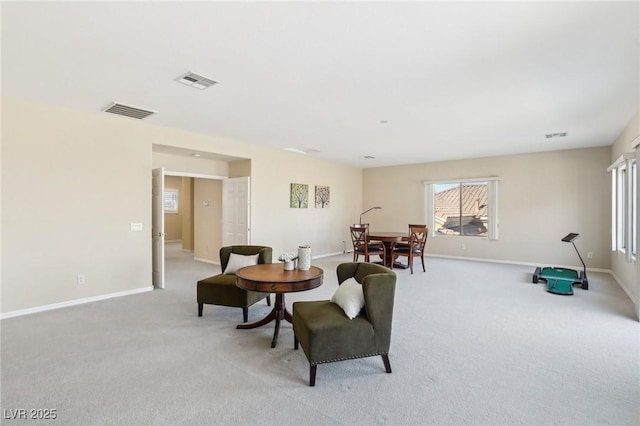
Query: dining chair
(362,245)
(414,247)
(405,243)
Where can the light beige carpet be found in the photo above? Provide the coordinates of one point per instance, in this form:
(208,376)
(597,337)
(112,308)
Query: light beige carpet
(473,344)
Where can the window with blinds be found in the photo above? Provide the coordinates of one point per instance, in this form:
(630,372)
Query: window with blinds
(171,201)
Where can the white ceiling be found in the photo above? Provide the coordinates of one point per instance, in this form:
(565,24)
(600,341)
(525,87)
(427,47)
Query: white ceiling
(450,80)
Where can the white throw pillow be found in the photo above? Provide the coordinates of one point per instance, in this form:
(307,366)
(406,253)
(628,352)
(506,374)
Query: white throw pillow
(237,261)
(350,297)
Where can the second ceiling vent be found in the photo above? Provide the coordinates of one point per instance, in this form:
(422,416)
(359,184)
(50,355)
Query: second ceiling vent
(196,80)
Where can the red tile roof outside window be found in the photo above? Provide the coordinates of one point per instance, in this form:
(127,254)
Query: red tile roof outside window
(472,199)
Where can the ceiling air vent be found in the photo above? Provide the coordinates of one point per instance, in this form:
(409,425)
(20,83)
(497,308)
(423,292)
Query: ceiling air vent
(555,135)
(196,80)
(128,111)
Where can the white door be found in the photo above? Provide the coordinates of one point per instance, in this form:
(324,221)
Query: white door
(637,237)
(157,227)
(235,211)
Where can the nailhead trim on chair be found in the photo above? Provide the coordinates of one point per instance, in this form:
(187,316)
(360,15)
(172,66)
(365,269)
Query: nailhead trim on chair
(352,357)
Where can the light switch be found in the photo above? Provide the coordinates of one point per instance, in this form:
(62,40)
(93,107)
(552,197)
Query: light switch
(136,227)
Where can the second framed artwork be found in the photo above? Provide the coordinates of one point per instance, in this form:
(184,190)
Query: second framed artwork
(323,197)
(299,196)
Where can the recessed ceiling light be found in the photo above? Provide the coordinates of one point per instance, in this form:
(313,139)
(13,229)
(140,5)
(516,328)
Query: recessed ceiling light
(195,154)
(555,135)
(296,150)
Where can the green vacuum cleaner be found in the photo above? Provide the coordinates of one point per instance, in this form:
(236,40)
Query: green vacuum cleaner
(562,280)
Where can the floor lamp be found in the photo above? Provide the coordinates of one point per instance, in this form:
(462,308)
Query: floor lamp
(367,211)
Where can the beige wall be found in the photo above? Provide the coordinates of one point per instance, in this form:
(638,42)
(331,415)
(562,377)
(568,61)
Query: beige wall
(325,230)
(624,142)
(184,164)
(240,168)
(186,205)
(60,178)
(542,197)
(173,221)
(72,183)
(627,273)
(272,171)
(207,215)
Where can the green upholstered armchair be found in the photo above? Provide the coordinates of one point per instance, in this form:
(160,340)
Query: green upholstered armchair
(221,289)
(325,332)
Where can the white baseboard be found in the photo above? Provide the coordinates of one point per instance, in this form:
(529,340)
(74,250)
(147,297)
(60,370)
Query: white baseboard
(625,289)
(328,255)
(52,306)
(514,262)
(201,259)
(534,265)
(44,308)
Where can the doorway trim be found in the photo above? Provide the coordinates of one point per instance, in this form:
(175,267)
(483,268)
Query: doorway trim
(194,175)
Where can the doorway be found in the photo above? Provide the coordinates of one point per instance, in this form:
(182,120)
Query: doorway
(198,217)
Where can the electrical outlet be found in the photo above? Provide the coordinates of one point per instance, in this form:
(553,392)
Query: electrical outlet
(463,246)
(590,255)
(81,279)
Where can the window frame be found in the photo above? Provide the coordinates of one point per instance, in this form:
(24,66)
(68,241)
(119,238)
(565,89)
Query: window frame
(634,208)
(624,174)
(492,199)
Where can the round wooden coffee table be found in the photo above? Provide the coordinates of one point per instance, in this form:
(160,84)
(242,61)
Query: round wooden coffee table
(272,278)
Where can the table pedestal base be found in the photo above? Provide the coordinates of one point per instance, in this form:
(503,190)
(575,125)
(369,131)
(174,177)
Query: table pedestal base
(389,260)
(278,313)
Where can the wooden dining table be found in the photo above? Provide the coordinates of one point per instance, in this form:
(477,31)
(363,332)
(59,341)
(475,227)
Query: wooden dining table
(388,238)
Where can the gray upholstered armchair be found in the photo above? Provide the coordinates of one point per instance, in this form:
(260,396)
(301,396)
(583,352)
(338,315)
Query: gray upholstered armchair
(325,332)
(221,289)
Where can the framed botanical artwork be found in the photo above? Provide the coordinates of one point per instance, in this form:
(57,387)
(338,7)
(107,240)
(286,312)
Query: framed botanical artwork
(299,198)
(322,197)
